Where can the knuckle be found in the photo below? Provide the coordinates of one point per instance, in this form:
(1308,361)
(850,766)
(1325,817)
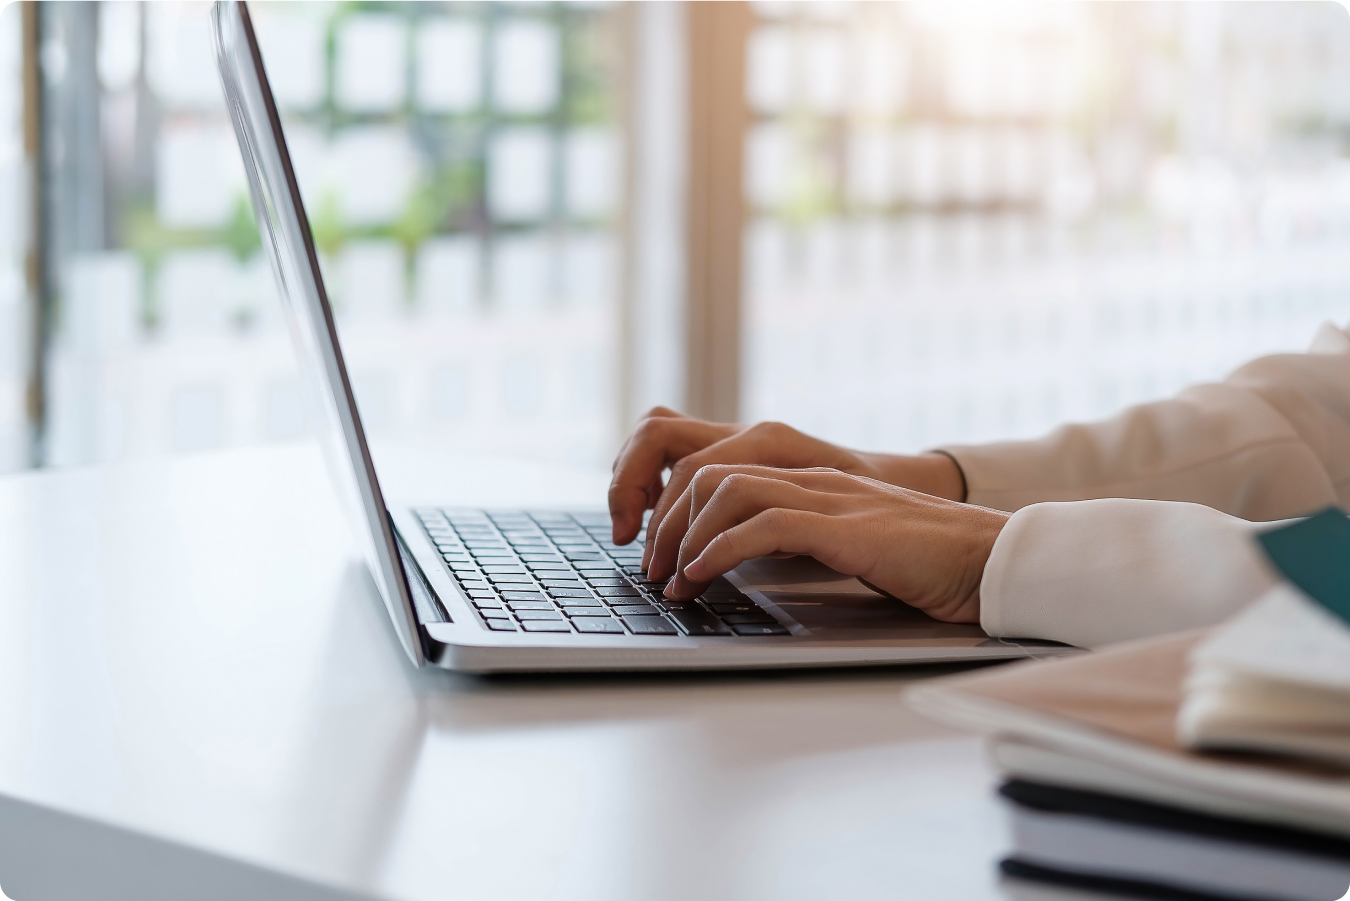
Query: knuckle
(648,429)
(707,481)
(736,482)
(684,469)
(710,473)
(772,429)
(779,519)
(658,412)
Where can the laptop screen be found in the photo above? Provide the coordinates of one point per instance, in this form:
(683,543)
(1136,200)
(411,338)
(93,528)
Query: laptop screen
(285,233)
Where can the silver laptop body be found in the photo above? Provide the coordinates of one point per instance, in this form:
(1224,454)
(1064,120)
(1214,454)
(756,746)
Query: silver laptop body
(494,591)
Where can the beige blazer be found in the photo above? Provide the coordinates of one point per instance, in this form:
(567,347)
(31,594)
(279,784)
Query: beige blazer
(1142,524)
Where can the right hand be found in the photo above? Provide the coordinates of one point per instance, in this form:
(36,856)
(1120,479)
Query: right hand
(666,439)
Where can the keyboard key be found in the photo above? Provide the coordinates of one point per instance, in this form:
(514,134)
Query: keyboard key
(636,610)
(523,615)
(558,582)
(746,619)
(543,625)
(501,625)
(616,592)
(510,578)
(754,629)
(595,624)
(517,606)
(580,607)
(580,559)
(605,573)
(486,603)
(572,608)
(699,622)
(470,585)
(503,569)
(464,570)
(651,625)
(726,607)
(523,595)
(574,605)
(535,561)
(569,593)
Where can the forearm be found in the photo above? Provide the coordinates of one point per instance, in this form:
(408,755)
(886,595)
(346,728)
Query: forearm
(1095,572)
(1272,441)
(936,473)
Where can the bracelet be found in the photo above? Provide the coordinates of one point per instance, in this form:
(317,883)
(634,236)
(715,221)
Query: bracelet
(965,486)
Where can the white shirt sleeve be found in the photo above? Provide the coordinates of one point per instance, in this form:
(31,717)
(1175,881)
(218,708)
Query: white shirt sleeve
(1271,441)
(1093,572)
(1162,538)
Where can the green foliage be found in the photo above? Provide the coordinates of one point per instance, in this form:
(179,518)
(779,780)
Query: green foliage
(325,223)
(433,203)
(240,234)
(588,67)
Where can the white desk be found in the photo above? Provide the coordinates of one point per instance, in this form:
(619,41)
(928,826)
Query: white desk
(201,698)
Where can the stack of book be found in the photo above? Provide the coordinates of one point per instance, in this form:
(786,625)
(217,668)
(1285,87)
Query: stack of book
(1199,766)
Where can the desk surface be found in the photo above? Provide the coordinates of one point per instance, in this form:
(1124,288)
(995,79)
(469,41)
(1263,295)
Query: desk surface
(192,657)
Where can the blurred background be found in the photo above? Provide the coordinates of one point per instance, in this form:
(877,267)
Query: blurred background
(891,224)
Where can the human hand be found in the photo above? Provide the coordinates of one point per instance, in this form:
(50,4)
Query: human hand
(666,439)
(926,551)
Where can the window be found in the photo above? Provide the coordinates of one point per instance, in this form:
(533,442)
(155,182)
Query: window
(459,166)
(961,222)
(14,323)
(975,221)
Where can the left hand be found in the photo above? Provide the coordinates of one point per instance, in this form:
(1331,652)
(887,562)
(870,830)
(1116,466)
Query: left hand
(924,550)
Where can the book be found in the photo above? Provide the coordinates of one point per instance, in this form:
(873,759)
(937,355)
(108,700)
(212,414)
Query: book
(1105,724)
(1276,679)
(1127,846)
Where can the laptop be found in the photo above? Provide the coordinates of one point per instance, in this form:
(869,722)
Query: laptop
(543,590)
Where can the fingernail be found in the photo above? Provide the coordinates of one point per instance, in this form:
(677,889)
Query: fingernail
(669,590)
(694,572)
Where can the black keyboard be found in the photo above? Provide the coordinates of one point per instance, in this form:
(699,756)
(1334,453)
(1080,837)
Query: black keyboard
(559,572)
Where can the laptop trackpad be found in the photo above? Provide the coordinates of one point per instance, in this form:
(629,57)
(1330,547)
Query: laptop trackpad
(832,605)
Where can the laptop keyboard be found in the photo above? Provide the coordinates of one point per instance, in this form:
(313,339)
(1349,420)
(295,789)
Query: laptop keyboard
(559,572)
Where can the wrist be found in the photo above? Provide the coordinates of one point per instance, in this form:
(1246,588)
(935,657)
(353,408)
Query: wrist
(934,473)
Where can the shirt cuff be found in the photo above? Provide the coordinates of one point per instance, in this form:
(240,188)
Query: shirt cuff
(1090,573)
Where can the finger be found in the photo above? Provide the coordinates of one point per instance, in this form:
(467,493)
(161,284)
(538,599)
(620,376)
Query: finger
(655,443)
(660,556)
(774,531)
(662,550)
(709,479)
(654,413)
(739,499)
(744,447)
